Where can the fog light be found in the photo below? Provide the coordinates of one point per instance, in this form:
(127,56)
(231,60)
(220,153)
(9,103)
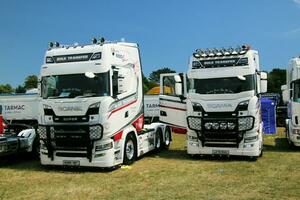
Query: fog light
(215,125)
(208,125)
(95,132)
(230,125)
(42,131)
(223,125)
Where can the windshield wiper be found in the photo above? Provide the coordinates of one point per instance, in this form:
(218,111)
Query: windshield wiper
(87,95)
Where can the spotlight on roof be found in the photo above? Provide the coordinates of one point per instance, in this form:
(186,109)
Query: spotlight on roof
(101,40)
(50,44)
(94,41)
(56,44)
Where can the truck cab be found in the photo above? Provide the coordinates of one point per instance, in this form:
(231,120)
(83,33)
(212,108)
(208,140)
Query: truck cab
(92,106)
(218,101)
(291,96)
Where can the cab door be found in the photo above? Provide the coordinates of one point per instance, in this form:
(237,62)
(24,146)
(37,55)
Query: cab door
(172,100)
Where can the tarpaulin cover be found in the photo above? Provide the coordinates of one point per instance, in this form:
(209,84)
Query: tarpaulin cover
(268,110)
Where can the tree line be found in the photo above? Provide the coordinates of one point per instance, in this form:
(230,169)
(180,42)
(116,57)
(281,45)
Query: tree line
(276,78)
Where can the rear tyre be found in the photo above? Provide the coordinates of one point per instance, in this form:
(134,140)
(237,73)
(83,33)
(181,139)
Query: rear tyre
(158,139)
(129,150)
(253,158)
(167,138)
(36,147)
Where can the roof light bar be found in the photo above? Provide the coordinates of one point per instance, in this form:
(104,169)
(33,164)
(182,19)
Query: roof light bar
(239,50)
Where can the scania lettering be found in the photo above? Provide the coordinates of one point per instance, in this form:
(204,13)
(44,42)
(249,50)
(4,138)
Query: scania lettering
(92,111)
(218,102)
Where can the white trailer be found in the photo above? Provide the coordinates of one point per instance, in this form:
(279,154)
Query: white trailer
(92,111)
(20,108)
(220,107)
(20,112)
(291,95)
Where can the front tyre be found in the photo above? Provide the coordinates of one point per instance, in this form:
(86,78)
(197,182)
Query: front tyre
(158,139)
(167,138)
(129,150)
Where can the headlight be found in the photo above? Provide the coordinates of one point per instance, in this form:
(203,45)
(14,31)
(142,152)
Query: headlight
(194,123)
(215,125)
(251,139)
(197,107)
(103,147)
(223,125)
(94,109)
(208,125)
(95,132)
(42,131)
(246,123)
(243,105)
(230,125)
(95,105)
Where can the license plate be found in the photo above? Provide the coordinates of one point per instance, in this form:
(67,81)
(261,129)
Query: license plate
(220,152)
(71,162)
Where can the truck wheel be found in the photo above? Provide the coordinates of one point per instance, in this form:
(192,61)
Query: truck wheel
(36,147)
(129,150)
(167,138)
(253,158)
(158,139)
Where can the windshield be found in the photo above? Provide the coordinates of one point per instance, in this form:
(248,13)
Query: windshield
(228,85)
(296,91)
(75,85)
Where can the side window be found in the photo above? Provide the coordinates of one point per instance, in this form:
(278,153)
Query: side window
(296,92)
(169,85)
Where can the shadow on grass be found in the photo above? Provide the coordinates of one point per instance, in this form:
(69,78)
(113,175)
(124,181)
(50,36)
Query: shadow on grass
(281,145)
(182,155)
(29,163)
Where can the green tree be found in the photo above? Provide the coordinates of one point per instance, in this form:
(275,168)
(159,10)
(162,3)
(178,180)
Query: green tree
(276,78)
(31,81)
(6,88)
(155,75)
(20,89)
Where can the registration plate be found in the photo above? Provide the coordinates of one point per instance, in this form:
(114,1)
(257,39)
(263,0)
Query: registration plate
(71,162)
(220,152)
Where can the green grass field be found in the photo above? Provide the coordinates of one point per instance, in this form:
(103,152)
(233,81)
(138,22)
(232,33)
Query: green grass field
(166,175)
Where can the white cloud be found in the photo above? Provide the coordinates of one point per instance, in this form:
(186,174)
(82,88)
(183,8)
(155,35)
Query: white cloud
(297,2)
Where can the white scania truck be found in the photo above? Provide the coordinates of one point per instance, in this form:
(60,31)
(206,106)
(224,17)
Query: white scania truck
(92,110)
(291,95)
(218,102)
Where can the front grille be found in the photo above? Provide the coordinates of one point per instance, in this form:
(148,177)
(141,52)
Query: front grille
(67,119)
(71,137)
(63,154)
(218,137)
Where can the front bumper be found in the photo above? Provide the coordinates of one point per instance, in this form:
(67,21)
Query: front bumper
(8,145)
(244,149)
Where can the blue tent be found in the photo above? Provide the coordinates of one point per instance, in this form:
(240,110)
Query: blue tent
(268,111)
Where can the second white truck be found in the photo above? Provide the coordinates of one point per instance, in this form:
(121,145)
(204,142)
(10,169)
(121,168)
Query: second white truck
(218,102)
(291,95)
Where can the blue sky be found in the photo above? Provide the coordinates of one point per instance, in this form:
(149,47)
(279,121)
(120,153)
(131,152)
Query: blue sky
(167,31)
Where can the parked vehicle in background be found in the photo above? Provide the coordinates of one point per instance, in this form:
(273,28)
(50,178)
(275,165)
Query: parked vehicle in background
(218,102)
(92,111)
(19,119)
(291,95)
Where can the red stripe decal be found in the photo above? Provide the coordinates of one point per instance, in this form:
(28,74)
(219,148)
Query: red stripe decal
(182,109)
(120,108)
